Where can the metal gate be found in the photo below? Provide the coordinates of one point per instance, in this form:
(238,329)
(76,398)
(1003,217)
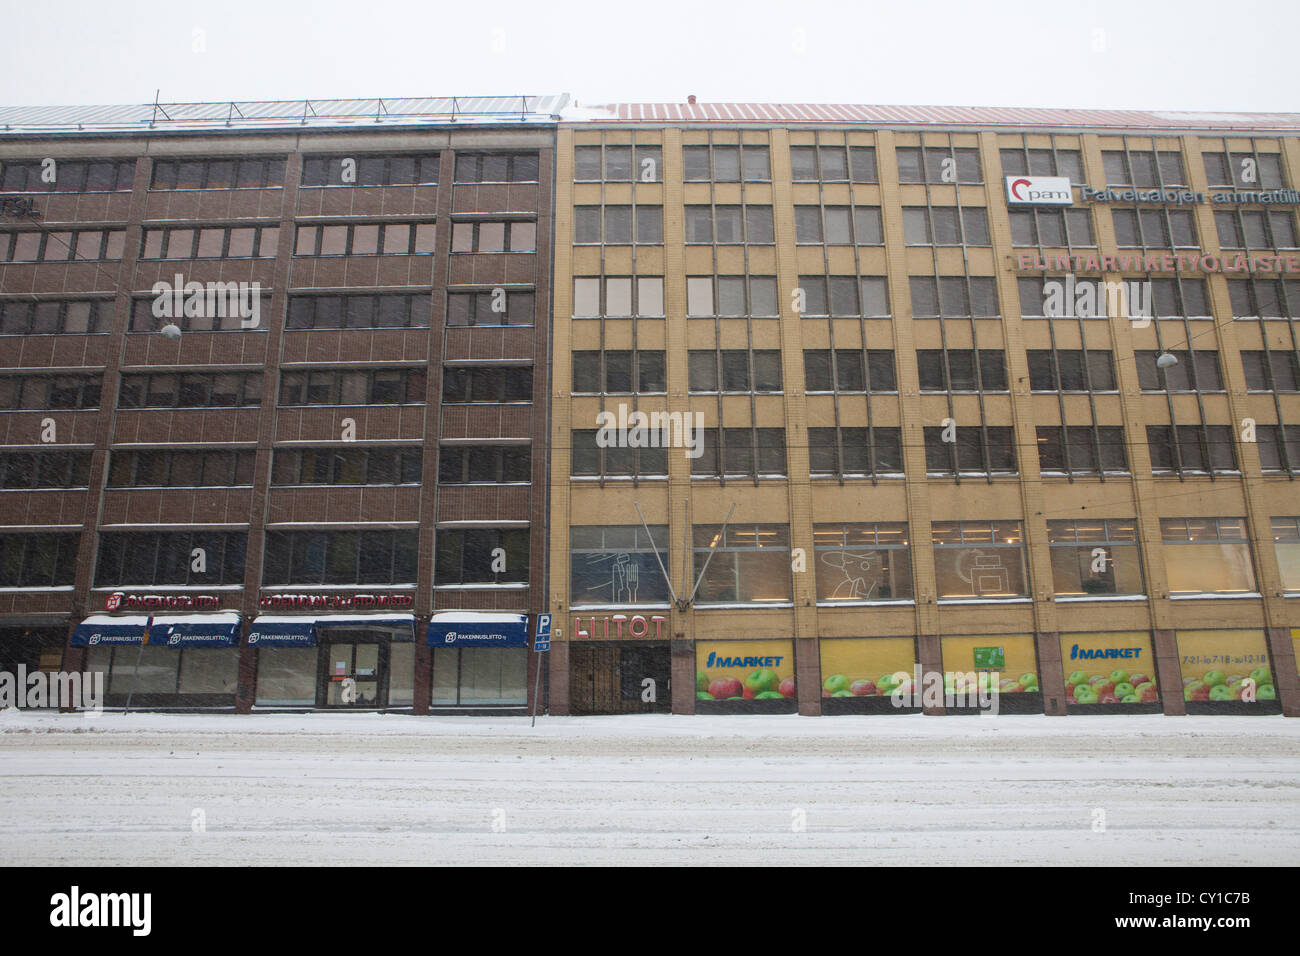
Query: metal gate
(618,678)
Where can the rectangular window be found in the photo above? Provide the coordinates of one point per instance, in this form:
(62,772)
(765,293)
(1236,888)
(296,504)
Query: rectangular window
(1071,370)
(243,172)
(484,464)
(962,370)
(740,453)
(389,386)
(339,557)
(1198,449)
(403,169)
(346,466)
(384,311)
(496,168)
(1264,298)
(1051,228)
(1196,371)
(617,565)
(618,297)
(855,452)
(55,316)
(1273,371)
(938,164)
(38,560)
(862,562)
(849,370)
(615,371)
(45,469)
(735,370)
(180,469)
(191,390)
(1207,556)
(747,564)
(979,560)
(83,244)
(1085,446)
(1248,171)
(170,558)
(955,296)
(1095,557)
(466,557)
(49,392)
(1279,448)
(1286,544)
(988,450)
(497,306)
(727,225)
(70,176)
(945,226)
(1043,162)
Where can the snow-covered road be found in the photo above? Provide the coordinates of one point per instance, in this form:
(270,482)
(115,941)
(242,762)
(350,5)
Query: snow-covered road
(371,789)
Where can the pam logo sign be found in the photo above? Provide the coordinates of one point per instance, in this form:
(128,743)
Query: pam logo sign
(1039,191)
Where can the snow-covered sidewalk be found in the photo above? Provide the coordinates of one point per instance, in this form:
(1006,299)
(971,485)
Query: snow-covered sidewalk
(342,789)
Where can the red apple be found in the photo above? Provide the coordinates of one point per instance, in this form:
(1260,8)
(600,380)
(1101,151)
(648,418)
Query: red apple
(787,687)
(748,693)
(1070,689)
(1107,699)
(725,687)
(863,688)
(1103,688)
(1147,693)
(1137,680)
(1196,690)
(825,692)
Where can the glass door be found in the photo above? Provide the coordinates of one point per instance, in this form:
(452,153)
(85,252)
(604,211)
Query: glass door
(352,674)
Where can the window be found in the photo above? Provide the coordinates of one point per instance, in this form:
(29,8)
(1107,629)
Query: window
(1286,543)
(1232,169)
(838,225)
(618,371)
(1207,556)
(862,562)
(1264,298)
(482,236)
(1043,162)
(389,310)
(41,560)
(363,169)
(49,392)
(83,244)
(956,296)
(1084,445)
(1052,228)
(957,370)
(588,459)
(55,316)
(243,172)
(484,464)
(829,164)
(468,557)
(1279,447)
(191,390)
(642,163)
(1143,168)
(743,453)
(724,225)
(750,564)
(938,164)
(735,370)
(367,239)
(987,450)
(1196,371)
(346,466)
(1071,370)
(70,176)
(218,310)
(849,370)
(979,560)
(619,296)
(1256,229)
(492,385)
(731,296)
(491,307)
(843,296)
(855,452)
(726,164)
(945,226)
(1154,228)
(212,242)
(617,565)
(496,168)
(175,558)
(339,557)
(1199,448)
(45,469)
(1273,371)
(163,468)
(1094,557)
(387,386)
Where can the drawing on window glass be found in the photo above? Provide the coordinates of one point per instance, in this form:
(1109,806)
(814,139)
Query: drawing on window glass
(854,568)
(984,572)
(624,577)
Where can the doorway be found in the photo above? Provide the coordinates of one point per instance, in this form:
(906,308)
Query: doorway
(352,670)
(620,678)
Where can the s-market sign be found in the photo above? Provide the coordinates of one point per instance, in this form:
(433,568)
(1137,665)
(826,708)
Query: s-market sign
(1039,191)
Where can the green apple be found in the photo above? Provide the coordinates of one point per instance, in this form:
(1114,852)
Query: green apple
(1078,677)
(1220,692)
(769,695)
(1085,696)
(843,693)
(886,684)
(701,681)
(1123,689)
(1214,678)
(1027,679)
(703,695)
(1261,676)
(1119,677)
(835,683)
(1265,692)
(760,680)
(1130,699)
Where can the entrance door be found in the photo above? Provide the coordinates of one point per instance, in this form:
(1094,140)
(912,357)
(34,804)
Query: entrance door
(624,678)
(352,674)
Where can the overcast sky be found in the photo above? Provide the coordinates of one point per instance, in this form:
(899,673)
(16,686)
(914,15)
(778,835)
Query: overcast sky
(1194,55)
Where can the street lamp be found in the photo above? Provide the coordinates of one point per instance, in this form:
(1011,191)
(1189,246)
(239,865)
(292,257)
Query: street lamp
(1165,359)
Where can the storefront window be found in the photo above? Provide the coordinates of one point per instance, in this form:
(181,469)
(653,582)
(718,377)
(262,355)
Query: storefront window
(1207,556)
(744,670)
(1009,660)
(480,676)
(1230,665)
(1096,557)
(750,564)
(979,559)
(165,670)
(862,562)
(1286,544)
(1113,668)
(401,674)
(866,667)
(616,565)
(208,670)
(286,676)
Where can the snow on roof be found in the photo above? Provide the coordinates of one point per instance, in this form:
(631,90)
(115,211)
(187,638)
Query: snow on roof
(126,620)
(364,617)
(477,617)
(225,617)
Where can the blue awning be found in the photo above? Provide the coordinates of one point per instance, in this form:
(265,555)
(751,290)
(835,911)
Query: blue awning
(195,630)
(101,629)
(478,629)
(271,631)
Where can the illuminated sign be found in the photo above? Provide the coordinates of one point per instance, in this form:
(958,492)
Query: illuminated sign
(333,602)
(1039,191)
(638,626)
(121,601)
